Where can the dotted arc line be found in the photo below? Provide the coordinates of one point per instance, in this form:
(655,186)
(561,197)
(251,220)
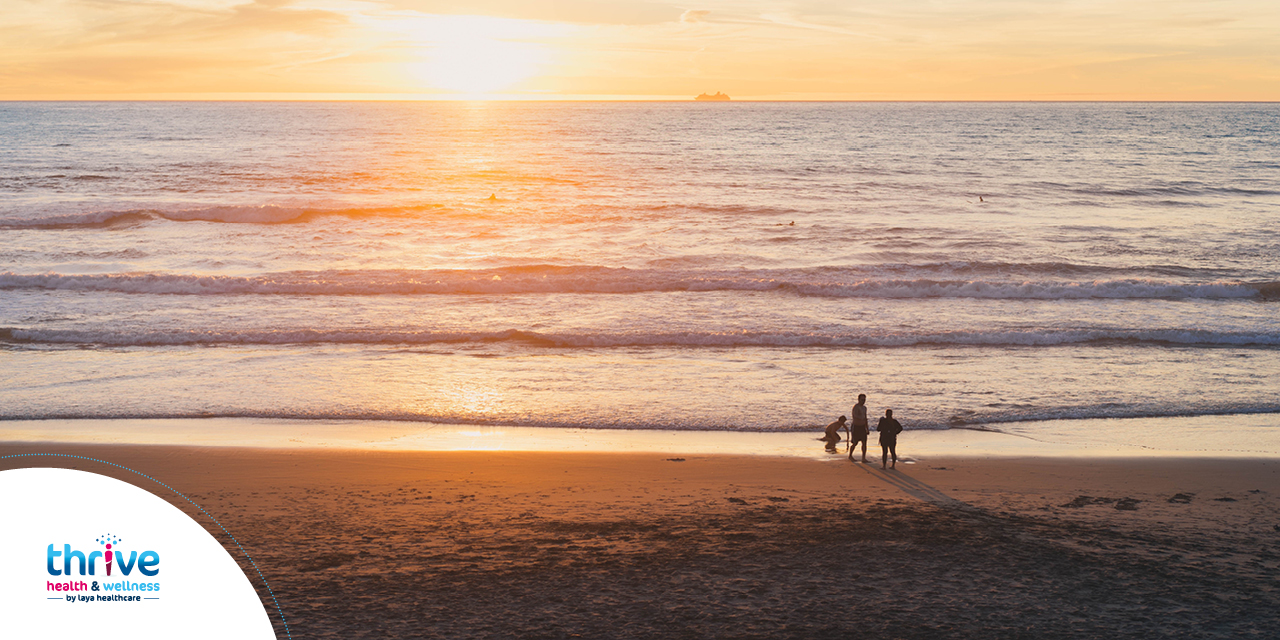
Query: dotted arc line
(189,500)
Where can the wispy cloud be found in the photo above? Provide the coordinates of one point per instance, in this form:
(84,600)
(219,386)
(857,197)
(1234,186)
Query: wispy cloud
(1166,49)
(694,15)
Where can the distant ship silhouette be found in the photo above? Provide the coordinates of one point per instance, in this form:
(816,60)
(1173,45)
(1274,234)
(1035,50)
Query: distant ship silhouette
(718,97)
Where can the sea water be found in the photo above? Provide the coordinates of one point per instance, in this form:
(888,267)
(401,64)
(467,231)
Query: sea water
(708,266)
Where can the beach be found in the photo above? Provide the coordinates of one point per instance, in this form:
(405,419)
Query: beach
(540,544)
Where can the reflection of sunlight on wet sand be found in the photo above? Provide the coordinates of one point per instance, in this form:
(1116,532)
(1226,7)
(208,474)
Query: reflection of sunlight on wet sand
(422,436)
(478,441)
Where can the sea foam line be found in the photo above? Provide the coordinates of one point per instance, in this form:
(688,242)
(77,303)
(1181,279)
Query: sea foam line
(227,213)
(589,279)
(683,339)
(995,421)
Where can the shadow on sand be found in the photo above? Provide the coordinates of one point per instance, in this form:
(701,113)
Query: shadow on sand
(915,488)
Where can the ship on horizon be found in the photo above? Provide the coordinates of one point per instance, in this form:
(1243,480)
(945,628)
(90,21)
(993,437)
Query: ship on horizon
(718,97)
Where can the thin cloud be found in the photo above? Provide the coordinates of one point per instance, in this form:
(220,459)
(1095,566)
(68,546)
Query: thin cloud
(694,15)
(901,49)
(797,23)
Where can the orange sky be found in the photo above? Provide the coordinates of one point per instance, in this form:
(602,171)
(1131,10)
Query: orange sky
(620,49)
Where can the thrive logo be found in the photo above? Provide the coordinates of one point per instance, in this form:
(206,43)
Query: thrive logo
(147,563)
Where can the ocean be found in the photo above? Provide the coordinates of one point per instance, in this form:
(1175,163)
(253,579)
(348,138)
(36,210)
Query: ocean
(690,266)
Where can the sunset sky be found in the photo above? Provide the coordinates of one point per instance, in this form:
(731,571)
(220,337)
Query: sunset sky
(628,49)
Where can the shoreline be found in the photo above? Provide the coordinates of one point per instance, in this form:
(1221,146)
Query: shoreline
(1210,437)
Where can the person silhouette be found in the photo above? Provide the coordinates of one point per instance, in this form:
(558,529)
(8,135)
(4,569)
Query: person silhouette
(859,427)
(889,430)
(832,434)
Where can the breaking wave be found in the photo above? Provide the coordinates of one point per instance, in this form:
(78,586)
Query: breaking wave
(231,214)
(687,339)
(545,279)
(994,421)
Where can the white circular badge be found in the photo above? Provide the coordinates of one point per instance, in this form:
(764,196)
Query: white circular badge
(87,556)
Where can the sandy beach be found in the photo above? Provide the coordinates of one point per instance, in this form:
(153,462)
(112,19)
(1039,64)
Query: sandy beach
(468,544)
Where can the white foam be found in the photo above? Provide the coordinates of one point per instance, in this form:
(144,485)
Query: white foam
(587,279)
(1029,290)
(690,339)
(261,214)
(316,427)
(90,219)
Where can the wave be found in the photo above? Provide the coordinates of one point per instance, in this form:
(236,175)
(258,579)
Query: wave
(1056,270)
(1032,290)
(78,220)
(275,214)
(545,279)
(271,214)
(1189,189)
(231,214)
(1000,423)
(684,339)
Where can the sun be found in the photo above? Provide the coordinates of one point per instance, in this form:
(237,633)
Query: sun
(472,55)
(478,65)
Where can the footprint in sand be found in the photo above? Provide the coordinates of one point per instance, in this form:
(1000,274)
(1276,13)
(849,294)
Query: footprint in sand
(1127,504)
(1123,504)
(1084,501)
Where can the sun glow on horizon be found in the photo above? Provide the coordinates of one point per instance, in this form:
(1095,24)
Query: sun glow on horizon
(478,67)
(475,56)
(635,49)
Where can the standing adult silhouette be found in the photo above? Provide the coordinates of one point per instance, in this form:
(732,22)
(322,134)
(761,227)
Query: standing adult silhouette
(859,427)
(889,430)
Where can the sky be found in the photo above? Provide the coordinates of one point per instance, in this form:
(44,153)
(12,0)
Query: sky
(641,49)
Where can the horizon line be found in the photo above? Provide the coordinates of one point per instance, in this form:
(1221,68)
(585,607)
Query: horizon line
(646,100)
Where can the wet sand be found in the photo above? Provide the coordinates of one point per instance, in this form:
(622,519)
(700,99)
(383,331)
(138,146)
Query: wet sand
(466,544)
